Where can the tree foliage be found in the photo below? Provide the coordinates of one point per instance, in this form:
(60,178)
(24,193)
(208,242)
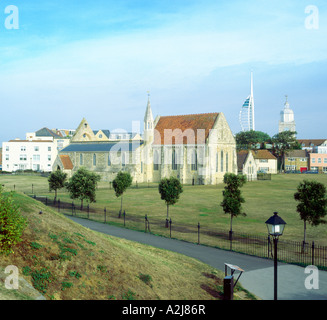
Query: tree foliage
(232,196)
(170,190)
(312,205)
(120,184)
(82,185)
(251,139)
(12,223)
(57,180)
(283,142)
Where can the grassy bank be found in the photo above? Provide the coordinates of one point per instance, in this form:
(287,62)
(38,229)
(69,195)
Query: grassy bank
(65,261)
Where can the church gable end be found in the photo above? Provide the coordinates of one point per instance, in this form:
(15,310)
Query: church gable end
(83,133)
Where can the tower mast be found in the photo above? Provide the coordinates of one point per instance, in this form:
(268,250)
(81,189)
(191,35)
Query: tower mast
(252,105)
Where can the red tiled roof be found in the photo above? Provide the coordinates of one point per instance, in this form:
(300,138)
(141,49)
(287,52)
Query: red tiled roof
(183,129)
(66,162)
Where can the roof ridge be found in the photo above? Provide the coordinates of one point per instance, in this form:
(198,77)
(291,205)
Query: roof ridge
(190,114)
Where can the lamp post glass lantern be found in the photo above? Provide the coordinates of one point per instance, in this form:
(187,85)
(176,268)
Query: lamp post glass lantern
(275,225)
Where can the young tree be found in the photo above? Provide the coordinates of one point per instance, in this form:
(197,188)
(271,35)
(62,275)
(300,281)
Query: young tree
(82,185)
(232,197)
(122,181)
(170,190)
(283,142)
(312,205)
(57,181)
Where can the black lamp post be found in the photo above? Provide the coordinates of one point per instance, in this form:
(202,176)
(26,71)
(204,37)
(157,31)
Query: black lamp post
(275,225)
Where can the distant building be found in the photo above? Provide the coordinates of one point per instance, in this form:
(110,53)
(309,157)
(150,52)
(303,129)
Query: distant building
(265,161)
(287,122)
(65,133)
(318,162)
(246,164)
(296,160)
(37,152)
(314,145)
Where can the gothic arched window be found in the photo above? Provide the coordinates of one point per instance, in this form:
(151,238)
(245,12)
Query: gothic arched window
(156,160)
(194,163)
(174,160)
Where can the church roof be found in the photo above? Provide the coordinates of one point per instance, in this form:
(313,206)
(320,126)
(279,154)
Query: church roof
(166,133)
(66,162)
(105,132)
(102,146)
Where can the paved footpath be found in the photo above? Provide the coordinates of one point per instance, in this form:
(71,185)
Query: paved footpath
(258,272)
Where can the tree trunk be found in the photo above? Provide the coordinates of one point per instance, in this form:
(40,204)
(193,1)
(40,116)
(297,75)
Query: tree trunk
(304,235)
(231,227)
(281,163)
(167,224)
(231,233)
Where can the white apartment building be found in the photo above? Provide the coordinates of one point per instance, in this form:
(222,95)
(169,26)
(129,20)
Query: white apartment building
(37,152)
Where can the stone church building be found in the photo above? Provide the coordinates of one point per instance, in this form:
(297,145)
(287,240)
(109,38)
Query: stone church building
(196,148)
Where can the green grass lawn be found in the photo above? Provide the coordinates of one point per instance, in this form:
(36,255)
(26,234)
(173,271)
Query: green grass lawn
(200,204)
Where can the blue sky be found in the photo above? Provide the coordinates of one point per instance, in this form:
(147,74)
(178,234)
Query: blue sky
(97,59)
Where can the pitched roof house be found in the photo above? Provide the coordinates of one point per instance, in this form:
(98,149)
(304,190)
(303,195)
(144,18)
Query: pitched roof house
(265,161)
(246,164)
(296,160)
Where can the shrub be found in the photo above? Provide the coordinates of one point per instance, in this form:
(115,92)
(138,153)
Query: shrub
(146,278)
(12,223)
(129,295)
(41,279)
(66,285)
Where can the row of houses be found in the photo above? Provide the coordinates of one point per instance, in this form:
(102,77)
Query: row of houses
(252,162)
(311,158)
(37,152)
